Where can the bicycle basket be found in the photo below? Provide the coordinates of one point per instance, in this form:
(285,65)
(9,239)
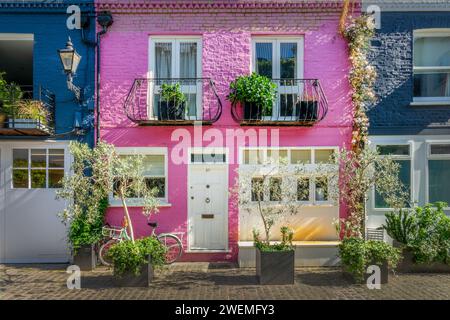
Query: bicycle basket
(111,232)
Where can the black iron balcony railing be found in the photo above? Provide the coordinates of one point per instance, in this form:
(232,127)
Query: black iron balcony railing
(173,101)
(26,111)
(299,102)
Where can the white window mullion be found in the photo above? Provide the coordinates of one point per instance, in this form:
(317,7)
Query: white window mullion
(29,168)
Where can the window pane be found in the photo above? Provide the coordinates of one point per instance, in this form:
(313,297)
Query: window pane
(321,189)
(439,180)
(303,189)
(438,149)
(397,150)
(20,158)
(38,178)
(54,178)
(432,51)
(264,59)
(153,165)
(324,156)
(275,189)
(188,60)
(191,104)
(38,158)
(431,85)
(253,156)
(56,158)
(163,60)
(20,178)
(405,178)
(300,156)
(257,189)
(158,184)
(288,60)
(274,156)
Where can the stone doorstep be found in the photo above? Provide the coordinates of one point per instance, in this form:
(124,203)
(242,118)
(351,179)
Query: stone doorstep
(307,253)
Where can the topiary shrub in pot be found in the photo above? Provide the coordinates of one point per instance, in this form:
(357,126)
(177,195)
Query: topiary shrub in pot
(172,105)
(255,93)
(358,254)
(134,262)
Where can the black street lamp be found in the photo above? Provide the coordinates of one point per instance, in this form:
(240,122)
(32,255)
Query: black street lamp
(70,59)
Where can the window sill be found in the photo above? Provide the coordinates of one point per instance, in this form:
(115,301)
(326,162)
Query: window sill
(429,103)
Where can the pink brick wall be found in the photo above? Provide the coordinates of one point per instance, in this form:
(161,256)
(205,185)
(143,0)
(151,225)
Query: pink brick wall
(226,37)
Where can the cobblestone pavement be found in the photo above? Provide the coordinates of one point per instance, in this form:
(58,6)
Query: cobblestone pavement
(187,281)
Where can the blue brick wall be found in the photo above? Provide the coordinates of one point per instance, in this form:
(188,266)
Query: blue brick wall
(392,54)
(48,24)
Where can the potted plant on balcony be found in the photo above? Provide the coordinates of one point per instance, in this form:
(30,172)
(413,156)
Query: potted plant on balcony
(255,93)
(172,104)
(307,108)
(134,261)
(30,114)
(9,94)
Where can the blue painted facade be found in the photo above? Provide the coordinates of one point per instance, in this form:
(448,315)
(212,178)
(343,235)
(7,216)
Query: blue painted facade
(47,22)
(392,55)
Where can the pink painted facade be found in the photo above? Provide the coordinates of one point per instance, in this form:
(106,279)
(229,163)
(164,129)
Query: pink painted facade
(226,34)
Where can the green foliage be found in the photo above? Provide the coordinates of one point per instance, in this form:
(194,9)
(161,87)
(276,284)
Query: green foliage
(129,256)
(357,254)
(10,93)
(255,89)
(32,109)
(85,231)
(401,226)
(285,245)
(172,93)
(427,234)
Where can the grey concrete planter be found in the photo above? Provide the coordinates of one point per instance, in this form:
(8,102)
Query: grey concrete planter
(129,279)
(275,267)
(85,257)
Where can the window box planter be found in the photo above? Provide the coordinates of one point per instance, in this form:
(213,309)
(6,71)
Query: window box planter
(129,279)
(23,123)
(275,268)
(85,257)
(307,110)
(171,111)
(384,276)
(408,265)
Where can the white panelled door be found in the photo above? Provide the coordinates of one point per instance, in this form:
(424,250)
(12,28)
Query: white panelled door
(208,207)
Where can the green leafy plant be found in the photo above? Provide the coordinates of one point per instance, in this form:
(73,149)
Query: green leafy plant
(356,254)
(256,89)
(32,109)
(285,245)
(401,226)
(10,93)
(129,256)
(171,93)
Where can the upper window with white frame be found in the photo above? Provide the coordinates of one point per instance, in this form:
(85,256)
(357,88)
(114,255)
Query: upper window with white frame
(280,59)
(175,61)
(439,172)
(432,65)
(37,168)
(154,172)
(401,154)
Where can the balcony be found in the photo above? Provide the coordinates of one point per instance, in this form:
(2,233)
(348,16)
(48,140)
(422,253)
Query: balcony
(299,102)
(173,101)
(26,112)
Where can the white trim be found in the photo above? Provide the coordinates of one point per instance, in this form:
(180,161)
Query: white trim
(135,202)
(17,36)
(429,156)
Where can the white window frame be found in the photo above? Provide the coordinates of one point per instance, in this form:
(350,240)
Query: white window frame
(276,67)
(175,64)
(310,168)
(429,33)
(396,157)
(29,168)
(145,151)
(429,143)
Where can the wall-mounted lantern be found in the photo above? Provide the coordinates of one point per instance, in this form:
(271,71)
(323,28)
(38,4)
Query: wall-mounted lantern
(70,59)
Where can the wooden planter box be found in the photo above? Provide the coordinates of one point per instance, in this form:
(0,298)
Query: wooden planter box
(275,267)
(129,279)
(384,276)
(86,258)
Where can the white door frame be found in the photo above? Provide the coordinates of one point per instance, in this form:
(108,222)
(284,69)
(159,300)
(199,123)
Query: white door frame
(190,210)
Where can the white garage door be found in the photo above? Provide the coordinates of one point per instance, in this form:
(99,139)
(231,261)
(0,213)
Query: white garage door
(31,231)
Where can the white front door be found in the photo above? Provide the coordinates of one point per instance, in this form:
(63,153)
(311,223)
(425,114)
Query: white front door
(208,207)
(31,230)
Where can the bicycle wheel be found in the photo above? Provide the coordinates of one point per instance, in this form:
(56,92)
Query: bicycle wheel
(103,252)
(173,246)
